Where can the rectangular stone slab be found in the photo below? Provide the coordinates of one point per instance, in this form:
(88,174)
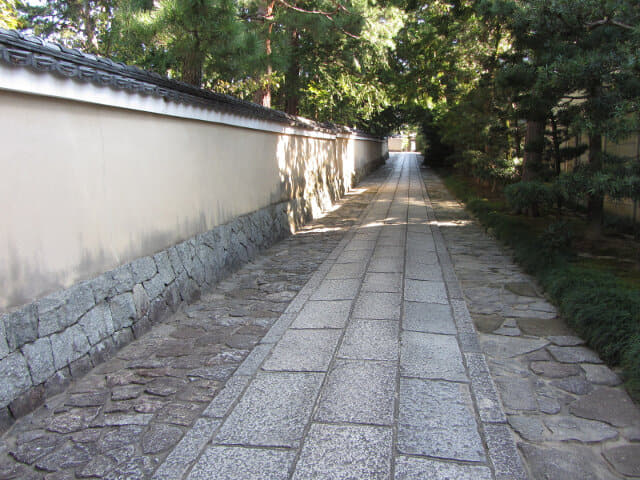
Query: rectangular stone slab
(323,314)
(437,419)
(359,392)
(303,351)
(273,411)
(412,468)
(337,452)
(381,306)
(425,291)
(426,355)
(370,340)
(428,318)
(240,463)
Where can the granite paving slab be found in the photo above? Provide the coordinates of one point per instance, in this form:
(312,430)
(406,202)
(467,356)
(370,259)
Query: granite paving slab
(339,452)
(273,410)
(436,419)
(303,351)
(359,392)
(426,355)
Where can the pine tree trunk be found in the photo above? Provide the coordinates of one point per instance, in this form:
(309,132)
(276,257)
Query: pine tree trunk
(533,146)
(595,202)
(292,79)
(556,145)
(192,68)
(263,95)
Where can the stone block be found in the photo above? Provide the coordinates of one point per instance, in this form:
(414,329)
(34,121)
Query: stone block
(140,300)
(323,314)
(69,345)
(487,398)
(79,300)
(436,419)
(4,346)
(21,326)
(163,264)
(123,310)
(502,450)
(123,278)
(337,452)
(425,291)
(14,377)
(411,468)
(428,318)
(382,282)
(253,361)
(359,392)
(273,410)
(39,356)
(425,355)
(378,305)
(303,351)
(154,287)
(370,340)
(198,272)
(346,270)
(380,264)
(176,261)
(172,297)
(223,401)
(97,323)
(220,462)
(142,269)
(337,290)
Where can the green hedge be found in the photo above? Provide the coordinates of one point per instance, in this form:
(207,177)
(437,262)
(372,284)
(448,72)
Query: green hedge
(600,307)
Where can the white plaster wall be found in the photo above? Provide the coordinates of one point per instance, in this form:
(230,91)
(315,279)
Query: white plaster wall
(87,187)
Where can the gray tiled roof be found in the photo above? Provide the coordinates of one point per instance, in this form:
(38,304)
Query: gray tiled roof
(28,51)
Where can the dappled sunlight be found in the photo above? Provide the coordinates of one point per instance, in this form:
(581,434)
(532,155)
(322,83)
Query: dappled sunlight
(316,171)
(455,223)
(320,229)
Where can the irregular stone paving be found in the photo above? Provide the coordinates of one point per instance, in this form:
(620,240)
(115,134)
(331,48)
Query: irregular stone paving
(123,418)
(374,371)
(571,416)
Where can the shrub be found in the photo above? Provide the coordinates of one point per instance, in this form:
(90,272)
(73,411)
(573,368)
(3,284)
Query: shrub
(532,198)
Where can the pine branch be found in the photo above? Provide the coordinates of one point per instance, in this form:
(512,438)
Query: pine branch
(608,21)
(328,15)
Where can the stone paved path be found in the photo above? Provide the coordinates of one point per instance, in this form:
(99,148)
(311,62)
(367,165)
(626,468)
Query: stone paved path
(373,371)
(571,417)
